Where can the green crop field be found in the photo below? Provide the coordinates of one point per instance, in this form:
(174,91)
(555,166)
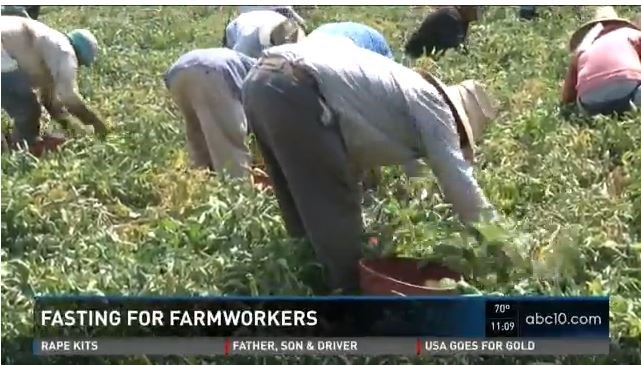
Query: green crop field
(128,216)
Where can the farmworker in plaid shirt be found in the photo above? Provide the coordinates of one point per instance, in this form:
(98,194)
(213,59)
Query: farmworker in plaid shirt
(323,110)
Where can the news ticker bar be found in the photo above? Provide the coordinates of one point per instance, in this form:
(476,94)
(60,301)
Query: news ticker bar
(365,346)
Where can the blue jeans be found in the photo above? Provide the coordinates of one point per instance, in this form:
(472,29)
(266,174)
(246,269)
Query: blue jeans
(21,103)
(615,97)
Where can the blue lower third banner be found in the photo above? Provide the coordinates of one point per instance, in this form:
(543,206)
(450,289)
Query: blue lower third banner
(475,318)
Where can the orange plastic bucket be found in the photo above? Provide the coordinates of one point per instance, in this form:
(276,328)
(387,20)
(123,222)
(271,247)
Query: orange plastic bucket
(403,276)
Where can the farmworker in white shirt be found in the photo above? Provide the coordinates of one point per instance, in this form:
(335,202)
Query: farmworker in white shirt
(46,60)
(252,32)
(324,110)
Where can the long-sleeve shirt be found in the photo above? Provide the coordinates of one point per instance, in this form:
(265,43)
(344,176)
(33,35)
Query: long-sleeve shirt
(242,33)
(615,55)
(232,65)
(362,35)
(45,54)
(388,115)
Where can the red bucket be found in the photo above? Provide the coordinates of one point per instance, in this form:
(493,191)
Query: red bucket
(404,276)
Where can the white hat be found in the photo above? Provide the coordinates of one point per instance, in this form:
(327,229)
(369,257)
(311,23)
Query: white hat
(476,110)
(474,107)
(287,31)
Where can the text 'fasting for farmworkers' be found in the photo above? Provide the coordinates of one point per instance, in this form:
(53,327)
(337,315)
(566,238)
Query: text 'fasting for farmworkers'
(198,318)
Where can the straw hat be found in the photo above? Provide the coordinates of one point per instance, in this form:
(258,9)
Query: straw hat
(287,31)
(476,109)
(603,14)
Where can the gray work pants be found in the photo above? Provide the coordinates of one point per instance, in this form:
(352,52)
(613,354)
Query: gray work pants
(317,192)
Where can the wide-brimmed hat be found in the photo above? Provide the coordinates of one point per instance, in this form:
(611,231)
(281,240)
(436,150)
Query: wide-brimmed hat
(287,31)
(476,110)
(603,14)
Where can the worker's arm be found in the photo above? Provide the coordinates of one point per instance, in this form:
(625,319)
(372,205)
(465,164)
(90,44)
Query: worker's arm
(52,103)
(440,141)
(66,91)
(569,86)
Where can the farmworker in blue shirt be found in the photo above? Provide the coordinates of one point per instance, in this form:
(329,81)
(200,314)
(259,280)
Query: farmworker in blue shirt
(251,32)
(324,110)
(362,35)
(206,86)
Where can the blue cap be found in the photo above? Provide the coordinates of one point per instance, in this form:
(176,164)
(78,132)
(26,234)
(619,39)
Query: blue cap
(85,45)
